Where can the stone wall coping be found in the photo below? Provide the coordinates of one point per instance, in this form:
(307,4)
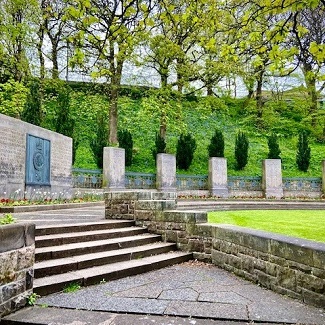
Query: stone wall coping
(16,236)
(305,243)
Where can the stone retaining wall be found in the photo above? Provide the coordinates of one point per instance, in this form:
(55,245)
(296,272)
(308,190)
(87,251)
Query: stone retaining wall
(290,266)
(17,255)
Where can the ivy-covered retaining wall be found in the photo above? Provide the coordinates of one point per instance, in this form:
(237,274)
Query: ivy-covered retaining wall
(17,256)
(286,265)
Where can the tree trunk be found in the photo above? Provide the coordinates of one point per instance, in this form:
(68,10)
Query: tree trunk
(310,81)
(209,89)
(259,98)
(116,75)
(54,58)
(163,117)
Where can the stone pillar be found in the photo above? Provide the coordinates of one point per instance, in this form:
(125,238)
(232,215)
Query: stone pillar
(272,178)
(323,176)
(166,172)
(218,181)
(114,168)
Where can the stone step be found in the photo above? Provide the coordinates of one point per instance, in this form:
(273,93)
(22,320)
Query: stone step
(82,227)
(74,263)
(95,275)
(68,250)
(75,237)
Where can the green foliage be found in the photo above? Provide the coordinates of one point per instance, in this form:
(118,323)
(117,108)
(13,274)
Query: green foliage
(31,300)
(160,146)
(241,150)
(274,148)
(186,146)
(125,141)
(13,97)
(71,287)
(216,147)
(303,152)
(7,219)
(100,140)
(33,109)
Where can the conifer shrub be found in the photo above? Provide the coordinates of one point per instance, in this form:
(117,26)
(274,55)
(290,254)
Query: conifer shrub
(274,148)
(241,150)
(303,152)
(186,146)
(160,146)
(216,147)
(125,141)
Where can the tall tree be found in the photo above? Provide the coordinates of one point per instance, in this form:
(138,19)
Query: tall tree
(105,35)
(17,20)
(57,30)
(308,36)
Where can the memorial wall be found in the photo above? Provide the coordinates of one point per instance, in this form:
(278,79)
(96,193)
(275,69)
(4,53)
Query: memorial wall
(33,160)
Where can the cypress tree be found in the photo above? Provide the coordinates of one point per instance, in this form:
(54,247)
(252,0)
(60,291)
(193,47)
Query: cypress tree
(125,141)
(216,147)
(303,152)
(241,150)
(160,146)
(186,146)
(274,149)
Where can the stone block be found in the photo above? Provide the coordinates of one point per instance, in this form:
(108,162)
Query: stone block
(217,179)
(265,279)
(248,264)
(206,258)
(196,245)
(286,278)
(320,273)
(12,237)
(319,258)
(272,178)
(285,291)
(219,258)
(117,196)
(292,251)
(311,283)
(114,168)
(166,172)
(204,230)
(147,215)
(271,269)
(312,298)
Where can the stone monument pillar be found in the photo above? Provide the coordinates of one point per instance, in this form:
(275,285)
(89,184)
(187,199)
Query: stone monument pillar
(166,172)
(272,178)
(114,168)
(323,176)
(218,181)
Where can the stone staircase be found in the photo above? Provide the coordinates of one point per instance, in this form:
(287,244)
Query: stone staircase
(88,253)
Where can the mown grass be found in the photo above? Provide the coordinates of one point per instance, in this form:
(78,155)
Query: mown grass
(305,224)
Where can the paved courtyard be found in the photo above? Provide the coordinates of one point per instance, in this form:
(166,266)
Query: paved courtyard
(192,289)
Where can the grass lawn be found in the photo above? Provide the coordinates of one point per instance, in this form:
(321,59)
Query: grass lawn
(296,223)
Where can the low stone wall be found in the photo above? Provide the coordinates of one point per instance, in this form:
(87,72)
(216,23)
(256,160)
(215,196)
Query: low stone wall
(286,265)
(17,255)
